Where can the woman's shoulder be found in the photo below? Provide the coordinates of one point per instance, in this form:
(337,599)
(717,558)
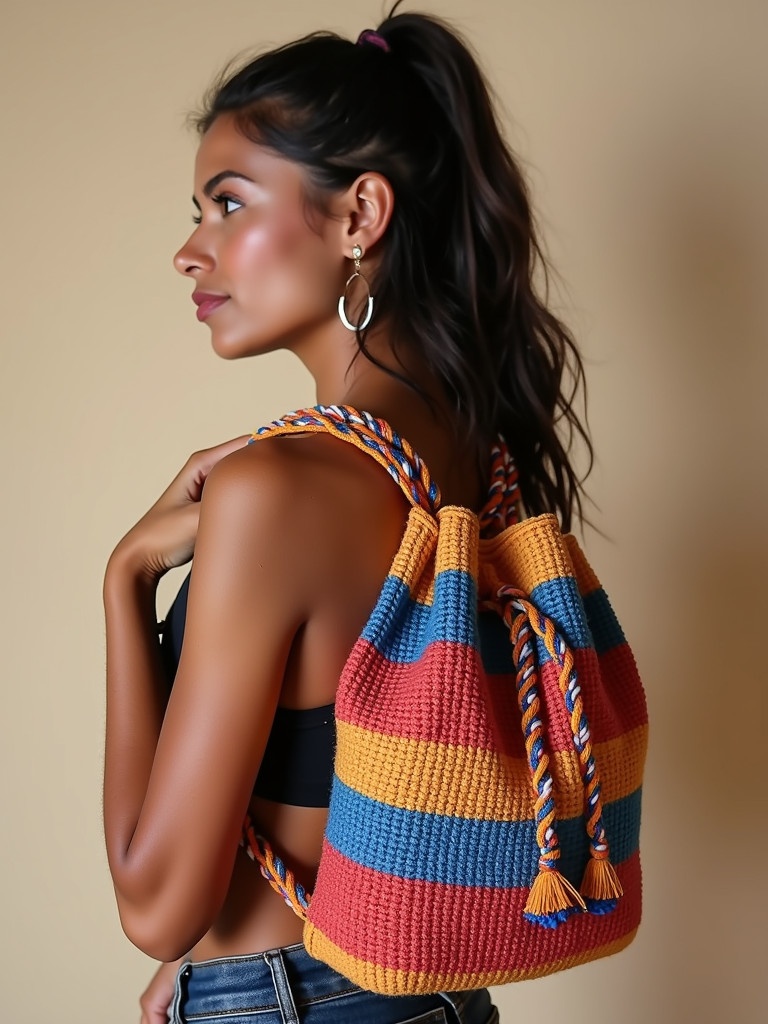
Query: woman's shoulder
(287,469)
(312,495)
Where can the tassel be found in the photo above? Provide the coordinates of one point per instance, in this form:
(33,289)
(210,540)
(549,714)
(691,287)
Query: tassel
(552,899)
(600,886)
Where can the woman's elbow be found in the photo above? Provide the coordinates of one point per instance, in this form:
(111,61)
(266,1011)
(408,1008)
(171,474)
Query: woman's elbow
(159,931)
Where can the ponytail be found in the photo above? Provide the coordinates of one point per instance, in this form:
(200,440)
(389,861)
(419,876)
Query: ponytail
(456,277)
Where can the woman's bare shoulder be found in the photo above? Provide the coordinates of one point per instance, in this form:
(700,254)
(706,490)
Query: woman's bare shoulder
(313,495)
(309,475)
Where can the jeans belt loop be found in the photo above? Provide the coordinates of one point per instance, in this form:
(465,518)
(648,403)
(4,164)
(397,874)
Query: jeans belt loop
(283,992)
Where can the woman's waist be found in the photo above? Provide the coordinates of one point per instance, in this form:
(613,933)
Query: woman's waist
(288,978)
(253,917)
(246,981)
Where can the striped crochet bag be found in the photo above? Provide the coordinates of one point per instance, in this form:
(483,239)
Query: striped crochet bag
(491,732)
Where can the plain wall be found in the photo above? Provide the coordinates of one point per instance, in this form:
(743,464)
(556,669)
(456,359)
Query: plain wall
(643,130)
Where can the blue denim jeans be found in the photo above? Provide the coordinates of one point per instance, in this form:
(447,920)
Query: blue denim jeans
(288,986)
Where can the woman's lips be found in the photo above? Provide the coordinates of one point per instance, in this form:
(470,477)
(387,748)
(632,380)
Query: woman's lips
(206,304)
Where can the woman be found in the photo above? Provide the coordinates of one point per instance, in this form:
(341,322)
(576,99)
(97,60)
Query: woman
(373,171)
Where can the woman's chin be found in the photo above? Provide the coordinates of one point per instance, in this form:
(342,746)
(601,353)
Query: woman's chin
(227,347)
(225,351)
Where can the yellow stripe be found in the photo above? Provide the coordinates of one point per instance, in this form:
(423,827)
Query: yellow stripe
(390,981)
(432,546)
(524,555)
(411,563)
(434,778)
(457,543)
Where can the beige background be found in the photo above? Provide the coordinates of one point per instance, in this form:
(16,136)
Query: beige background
(643,128)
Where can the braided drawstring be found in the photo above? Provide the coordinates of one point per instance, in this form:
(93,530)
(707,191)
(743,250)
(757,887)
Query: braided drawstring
(552,898)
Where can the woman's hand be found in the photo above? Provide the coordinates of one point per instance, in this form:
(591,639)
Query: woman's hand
(156,997)
(164,537)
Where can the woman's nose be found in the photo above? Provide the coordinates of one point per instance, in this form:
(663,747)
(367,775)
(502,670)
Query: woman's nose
(192,256)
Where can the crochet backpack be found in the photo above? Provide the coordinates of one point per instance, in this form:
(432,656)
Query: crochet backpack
(491,732)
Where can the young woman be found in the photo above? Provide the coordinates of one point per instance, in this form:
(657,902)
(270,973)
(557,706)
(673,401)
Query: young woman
(372,171)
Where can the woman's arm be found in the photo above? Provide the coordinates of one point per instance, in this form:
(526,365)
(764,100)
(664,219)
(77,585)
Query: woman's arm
(136,688)
(178,778)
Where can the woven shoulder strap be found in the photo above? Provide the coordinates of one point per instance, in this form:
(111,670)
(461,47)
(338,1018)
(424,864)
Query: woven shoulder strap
(376,438)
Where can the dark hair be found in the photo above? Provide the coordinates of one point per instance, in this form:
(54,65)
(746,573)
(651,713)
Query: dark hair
(456,277)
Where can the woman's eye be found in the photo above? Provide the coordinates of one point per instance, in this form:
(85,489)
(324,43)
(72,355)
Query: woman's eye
(228,204)
(226,201)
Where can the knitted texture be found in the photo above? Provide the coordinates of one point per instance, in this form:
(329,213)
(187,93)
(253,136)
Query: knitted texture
(491,731)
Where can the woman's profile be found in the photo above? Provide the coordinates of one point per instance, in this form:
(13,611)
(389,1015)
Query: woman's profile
(356,205)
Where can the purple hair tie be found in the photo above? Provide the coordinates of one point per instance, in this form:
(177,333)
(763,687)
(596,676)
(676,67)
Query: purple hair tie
(369,36)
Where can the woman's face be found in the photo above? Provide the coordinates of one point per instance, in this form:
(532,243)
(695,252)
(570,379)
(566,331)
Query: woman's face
(263,277)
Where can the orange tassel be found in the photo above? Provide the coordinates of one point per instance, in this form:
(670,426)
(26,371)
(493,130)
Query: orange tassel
(552,898)
(600,881)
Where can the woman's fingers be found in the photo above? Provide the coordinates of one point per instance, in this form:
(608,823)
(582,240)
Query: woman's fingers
(157,996)
(188,483)
(165,536)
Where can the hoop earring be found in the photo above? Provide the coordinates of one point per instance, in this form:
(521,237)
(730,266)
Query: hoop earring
(357,255)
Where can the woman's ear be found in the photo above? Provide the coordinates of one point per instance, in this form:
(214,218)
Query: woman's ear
(364,211)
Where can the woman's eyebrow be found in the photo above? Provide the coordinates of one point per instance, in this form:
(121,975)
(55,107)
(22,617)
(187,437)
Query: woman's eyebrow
(217,180)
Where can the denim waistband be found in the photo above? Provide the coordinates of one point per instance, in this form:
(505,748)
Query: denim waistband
(283,984)
(259,981)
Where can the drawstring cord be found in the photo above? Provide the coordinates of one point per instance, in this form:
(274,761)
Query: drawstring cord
(552,897)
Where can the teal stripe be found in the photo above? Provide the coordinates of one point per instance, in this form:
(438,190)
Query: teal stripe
(458,851)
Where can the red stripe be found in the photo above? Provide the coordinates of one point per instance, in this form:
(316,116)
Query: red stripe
(403,928)
(411,700)
(611,693)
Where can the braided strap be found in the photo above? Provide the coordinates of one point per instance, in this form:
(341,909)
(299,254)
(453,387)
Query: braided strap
(274,870)
(552,897)
(373,436)
(502,509)
(402,462)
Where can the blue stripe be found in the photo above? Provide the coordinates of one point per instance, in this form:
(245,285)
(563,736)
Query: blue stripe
(603,622)
(401,629)
(561,601)
(458,851)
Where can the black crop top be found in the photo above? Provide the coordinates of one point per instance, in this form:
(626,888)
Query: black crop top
(297,767)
